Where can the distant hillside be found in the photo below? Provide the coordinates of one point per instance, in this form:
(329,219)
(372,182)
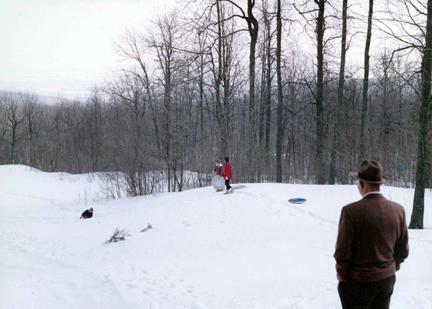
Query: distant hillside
(49,100)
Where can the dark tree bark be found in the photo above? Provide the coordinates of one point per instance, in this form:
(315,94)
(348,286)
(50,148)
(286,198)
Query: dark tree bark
(268,79)
(220,111)
(362,150)
(29,107)
(95,131)
(340,97)
(320,29)
(261,152)
(252,23)
(201,84)
(425,110)
(279,117)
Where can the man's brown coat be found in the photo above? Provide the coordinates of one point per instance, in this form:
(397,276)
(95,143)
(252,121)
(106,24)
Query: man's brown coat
(372,241)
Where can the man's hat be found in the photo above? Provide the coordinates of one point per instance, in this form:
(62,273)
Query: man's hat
(371,171)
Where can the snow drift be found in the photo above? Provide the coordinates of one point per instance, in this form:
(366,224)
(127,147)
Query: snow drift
(250,249)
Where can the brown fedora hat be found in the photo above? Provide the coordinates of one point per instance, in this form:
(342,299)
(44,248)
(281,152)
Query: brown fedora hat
(371,171)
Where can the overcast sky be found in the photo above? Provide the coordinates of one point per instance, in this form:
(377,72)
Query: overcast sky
(60,47)
(66,47)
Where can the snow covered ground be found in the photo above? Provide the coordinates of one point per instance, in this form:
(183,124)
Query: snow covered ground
(250,249)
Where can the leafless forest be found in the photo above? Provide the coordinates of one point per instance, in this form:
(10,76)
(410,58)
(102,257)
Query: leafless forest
(236,78)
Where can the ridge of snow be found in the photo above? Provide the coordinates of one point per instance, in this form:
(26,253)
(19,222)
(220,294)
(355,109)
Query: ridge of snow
(250,249)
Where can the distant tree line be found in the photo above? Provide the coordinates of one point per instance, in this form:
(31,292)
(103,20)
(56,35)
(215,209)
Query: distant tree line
(230,78)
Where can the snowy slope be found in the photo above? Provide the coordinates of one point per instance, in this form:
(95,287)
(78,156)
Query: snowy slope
(250,249)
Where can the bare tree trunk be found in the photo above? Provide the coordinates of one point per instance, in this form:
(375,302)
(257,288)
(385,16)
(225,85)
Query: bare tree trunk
(253,32)
(268,88)
(261,152)
(165,48)
(340,97)
(13,144)
(365,84)
(167,122)
(265,107)
(279,119)
(201,90)
(14,121)
(320,28)
(218,81)
(30,131)
(425,111)
(385,108)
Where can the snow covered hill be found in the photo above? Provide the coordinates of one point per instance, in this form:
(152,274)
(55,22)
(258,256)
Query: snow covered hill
(250,249)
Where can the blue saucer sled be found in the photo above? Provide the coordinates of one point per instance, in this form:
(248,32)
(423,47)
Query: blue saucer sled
(297,200)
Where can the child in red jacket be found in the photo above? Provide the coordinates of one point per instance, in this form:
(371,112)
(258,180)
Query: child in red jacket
(227,174)
(218,179)
(218,168)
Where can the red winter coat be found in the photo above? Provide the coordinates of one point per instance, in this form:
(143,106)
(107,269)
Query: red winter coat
(227,171)
(218,170)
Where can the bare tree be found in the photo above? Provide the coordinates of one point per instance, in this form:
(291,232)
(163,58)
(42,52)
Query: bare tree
(279,114)
(362,151)
(320,29)
(423,153)
(265,109)
(253,30)
(164,43)
(135,48)
(340,96)
(268,79)
(224,69)
(3,126)
(30,105)
(14,121)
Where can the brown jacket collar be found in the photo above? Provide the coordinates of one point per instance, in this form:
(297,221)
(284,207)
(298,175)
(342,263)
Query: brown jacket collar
(373,195)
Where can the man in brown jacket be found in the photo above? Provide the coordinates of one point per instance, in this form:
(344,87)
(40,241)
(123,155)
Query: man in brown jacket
(372,242)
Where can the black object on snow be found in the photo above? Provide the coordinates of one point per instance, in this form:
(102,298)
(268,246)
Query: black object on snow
(87,214)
